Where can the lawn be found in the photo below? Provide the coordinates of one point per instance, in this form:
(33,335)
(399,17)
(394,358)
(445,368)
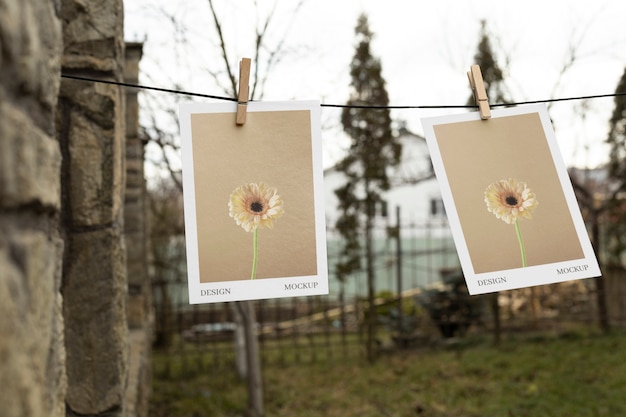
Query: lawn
(573,375)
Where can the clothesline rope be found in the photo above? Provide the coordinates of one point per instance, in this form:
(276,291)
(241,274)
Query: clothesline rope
(358,106)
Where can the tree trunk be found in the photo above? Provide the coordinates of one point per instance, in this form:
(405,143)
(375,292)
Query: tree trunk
(253,364)
(241,361)
(603,315)
(495,311)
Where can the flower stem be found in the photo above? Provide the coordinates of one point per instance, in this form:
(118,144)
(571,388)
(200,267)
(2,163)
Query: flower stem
(521,243)
(255,250)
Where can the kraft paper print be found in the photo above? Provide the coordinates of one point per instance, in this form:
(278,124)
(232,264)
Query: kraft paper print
(511,206)
(253,199)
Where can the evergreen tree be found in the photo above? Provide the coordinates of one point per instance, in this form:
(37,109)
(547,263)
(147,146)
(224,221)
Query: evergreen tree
(616,205)
(611,249)
(374,147)
(493,75)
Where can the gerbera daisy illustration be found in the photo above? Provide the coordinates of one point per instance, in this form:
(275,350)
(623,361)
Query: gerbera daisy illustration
(253,206)
(511,200)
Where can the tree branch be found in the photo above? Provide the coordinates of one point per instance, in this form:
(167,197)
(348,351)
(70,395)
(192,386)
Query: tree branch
(220,34)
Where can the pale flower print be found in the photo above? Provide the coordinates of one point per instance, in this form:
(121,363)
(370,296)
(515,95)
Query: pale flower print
(253,206)
(511,200)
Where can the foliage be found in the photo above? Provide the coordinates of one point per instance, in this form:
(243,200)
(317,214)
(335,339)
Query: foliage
(167,252)
(493,74)
(616,204)
(451,307)
(388,314)
(373,148)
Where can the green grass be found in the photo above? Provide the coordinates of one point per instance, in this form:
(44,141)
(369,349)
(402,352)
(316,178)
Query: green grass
(577,375)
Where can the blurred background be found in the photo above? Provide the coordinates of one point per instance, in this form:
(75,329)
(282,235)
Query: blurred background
(95,313)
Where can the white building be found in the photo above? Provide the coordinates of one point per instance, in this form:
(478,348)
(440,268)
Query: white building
(427,246)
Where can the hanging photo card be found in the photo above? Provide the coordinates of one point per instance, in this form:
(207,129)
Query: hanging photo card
(509,200)
(253,201)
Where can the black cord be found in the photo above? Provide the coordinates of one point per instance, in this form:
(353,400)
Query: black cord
(352,106)
(145,87)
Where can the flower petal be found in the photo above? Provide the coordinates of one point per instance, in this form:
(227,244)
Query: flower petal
(510,200)
(255,205)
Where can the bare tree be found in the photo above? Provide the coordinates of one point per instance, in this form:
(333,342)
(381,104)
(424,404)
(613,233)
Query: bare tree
(160,124)
(269,47)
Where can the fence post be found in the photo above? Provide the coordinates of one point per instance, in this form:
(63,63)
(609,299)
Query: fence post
(399,274)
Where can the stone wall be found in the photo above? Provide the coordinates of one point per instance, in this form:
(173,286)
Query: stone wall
(91,127)
(32,356)
(67,300)
(135,209)
(139,298)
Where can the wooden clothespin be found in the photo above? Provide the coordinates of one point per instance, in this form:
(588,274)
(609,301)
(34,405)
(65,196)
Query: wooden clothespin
(475,76)
(244,86)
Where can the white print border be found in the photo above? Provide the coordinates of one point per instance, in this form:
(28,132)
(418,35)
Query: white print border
(224,291)
(482,283)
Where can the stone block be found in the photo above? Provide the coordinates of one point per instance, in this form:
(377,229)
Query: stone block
(31,46)
(96,332)
(93,34)
(100,103)
(96,164)
(140,374)
(30,162)
(32,360)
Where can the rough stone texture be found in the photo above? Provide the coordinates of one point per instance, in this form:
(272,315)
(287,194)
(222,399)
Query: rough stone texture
(94,152)
(32,355)
(32,374)
(96,331)
(30,162)
(30,59)
(92,32)
(135,209)
(94,285)
(65,348)
(91,128)
(139,374)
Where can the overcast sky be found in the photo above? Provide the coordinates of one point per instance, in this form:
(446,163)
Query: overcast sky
(425,49)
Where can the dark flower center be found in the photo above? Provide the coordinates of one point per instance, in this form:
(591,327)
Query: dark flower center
(511,200)
(256,206)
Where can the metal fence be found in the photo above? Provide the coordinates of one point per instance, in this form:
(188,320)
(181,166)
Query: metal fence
(201,338)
